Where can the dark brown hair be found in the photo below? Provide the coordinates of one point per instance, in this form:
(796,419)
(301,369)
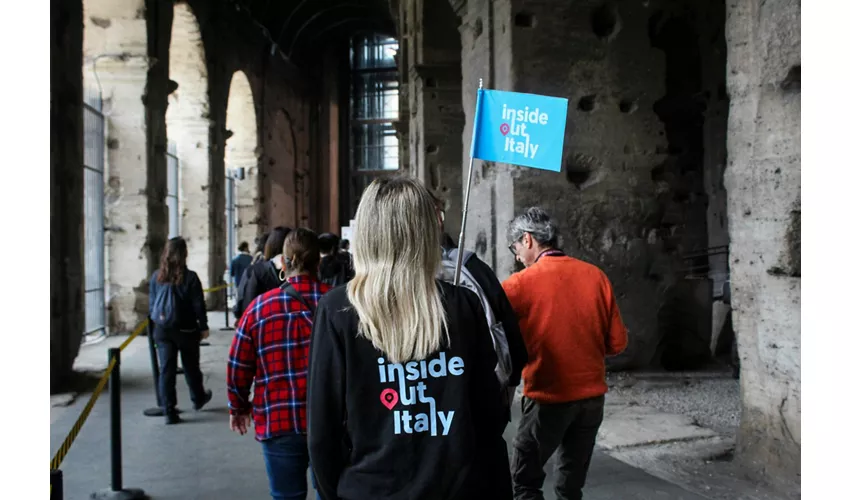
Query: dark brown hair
(172,263)
(274,245)
(301,251)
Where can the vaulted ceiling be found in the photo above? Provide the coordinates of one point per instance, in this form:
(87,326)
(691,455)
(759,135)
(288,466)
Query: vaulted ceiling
(297,26)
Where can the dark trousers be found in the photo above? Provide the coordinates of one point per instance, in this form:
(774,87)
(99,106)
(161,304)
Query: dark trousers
(570,428)
(188,344)
(287,461)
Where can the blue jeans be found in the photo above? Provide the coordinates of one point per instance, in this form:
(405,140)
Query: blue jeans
(287,462)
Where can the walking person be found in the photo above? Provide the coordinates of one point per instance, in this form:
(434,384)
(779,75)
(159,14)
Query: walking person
(179,315)
(491,289)
(335,267)
(264,275)
(271,350)
(241,262)
(570,321)
(402,396)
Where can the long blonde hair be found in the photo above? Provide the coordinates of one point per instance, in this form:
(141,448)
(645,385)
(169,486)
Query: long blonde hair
(396,247)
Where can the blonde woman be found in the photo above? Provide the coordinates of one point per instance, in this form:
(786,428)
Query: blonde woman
(402,398)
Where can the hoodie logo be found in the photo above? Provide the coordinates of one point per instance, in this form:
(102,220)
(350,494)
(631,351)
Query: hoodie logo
(410,419)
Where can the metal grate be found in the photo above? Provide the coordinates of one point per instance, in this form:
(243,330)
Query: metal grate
(94,139)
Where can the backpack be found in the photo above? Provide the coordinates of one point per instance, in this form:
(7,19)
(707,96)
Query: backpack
(164,311)
(504,366)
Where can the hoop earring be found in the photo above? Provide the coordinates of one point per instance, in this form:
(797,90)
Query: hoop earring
(281,275)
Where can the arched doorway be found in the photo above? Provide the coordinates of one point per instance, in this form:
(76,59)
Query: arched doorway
(187,124)
(240,159)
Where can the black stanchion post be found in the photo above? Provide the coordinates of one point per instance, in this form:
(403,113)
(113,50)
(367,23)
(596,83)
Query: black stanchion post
(117,490)
(56,488)
(157,410)
(115,418)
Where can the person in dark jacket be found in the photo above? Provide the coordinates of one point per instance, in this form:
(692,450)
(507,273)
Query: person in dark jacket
(240,263)
(504,313)
(335,268)
(401,392)
(186,338)
(265,275)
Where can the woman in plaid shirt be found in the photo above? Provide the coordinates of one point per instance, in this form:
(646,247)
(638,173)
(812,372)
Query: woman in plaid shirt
(271,349)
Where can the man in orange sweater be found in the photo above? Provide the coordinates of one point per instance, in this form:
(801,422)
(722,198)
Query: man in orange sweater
(570,322)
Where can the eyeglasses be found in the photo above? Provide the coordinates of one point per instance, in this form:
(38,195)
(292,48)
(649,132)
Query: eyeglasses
(511,246)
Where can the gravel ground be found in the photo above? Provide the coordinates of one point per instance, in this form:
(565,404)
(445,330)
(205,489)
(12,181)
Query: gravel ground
(712,402)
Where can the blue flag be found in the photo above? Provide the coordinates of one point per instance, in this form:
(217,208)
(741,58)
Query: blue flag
(521,129)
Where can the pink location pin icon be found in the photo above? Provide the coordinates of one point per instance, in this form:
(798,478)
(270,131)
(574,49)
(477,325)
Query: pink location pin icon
(389,397)
(504,128)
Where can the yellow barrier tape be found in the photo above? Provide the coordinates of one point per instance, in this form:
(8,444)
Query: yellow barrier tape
(139,329)
(69,440)
(56,461)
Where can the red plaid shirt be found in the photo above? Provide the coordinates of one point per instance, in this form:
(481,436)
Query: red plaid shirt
(271,348)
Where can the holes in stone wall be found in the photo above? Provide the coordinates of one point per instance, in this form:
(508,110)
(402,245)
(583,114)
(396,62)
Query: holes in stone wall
(587,103)
(628,106)
(431,149)
(605,21)
(525,20)
(580,169)
(477,28)
(792,80)
(430,82)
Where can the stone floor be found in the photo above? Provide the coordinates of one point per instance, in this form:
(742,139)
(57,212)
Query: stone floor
(202,459)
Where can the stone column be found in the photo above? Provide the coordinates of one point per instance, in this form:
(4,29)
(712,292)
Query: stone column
(66,187)
(188,124)
(763,184)
(486,54)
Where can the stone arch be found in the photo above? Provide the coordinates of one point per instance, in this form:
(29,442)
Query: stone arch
(187,123)
(241,151)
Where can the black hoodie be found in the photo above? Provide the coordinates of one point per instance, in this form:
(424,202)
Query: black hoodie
(417,431)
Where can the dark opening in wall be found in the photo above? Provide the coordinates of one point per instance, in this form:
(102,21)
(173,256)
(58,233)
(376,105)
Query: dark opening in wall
(579,168)
(430,82)
(605,21)
(587,103)
(524,20)
(792,79)
(628,106)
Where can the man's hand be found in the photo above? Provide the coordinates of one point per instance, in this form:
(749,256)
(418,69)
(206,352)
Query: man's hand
(240,423)
(205,334)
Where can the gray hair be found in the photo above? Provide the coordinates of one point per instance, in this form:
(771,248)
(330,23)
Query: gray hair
(536,222)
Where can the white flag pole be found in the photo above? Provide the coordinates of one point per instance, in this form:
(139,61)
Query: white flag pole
(462,237)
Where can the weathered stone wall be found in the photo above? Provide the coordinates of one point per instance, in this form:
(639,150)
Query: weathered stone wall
(116,61)
(66,187)
(600,57)
(630,197)
(763,183)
